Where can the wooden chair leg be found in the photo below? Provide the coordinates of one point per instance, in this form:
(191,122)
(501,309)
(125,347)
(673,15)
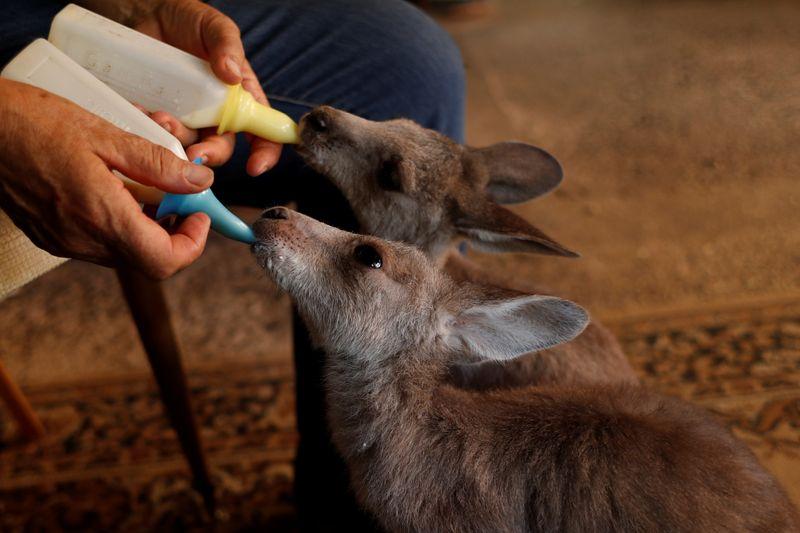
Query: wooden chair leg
(148,306)
(28,423)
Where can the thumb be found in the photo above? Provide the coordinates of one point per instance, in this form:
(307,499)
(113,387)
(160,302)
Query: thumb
(223,43)
(154,165)
(154,251)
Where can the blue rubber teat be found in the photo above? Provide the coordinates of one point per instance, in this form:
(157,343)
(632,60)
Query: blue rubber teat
(222,220)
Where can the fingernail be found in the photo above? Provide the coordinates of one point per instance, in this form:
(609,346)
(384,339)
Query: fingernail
(200,160)
(198,174)
(167,126)
(263,168)
(233,66)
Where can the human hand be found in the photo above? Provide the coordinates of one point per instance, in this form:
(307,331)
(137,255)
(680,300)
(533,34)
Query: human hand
(56,185)
(205,32)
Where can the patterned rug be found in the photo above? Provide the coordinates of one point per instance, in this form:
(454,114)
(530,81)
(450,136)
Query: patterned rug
(742,362)
(111,463)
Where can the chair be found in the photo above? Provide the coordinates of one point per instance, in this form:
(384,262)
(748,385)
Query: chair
(21,262)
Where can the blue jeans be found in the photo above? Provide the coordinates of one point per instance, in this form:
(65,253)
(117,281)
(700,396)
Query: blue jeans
(379,59)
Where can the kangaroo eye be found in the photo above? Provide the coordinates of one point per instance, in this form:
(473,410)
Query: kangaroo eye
(389,176)
(368,256)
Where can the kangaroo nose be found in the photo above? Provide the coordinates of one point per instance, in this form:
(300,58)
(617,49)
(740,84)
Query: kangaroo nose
(317,121)
(277,213)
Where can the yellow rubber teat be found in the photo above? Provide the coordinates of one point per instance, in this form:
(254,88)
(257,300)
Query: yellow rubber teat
(241,112)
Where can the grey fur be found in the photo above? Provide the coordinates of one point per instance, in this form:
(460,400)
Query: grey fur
(442,193)
(425,455)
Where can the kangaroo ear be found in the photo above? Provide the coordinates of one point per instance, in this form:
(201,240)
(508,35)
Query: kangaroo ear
(505,328)
(493,228)
(518,171)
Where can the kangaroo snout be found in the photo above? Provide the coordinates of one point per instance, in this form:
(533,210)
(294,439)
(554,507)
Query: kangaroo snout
(325,128)
(266,226)
(273,228)
(317,120)
(276,213)
(286,243)
(286,236)
(288,224)
(316,124)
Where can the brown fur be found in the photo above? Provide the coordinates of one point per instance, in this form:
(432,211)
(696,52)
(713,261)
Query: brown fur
(443,192)
(427,455)
(594,356)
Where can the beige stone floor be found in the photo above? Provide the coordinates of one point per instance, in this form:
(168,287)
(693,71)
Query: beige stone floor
(676,123)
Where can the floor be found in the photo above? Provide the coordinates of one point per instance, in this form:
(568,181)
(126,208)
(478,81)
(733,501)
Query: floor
(676,124)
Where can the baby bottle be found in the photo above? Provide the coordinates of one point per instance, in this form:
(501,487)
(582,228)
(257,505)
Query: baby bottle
(160,77)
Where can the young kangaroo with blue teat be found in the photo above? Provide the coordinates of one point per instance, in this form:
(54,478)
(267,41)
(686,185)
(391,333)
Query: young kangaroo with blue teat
(426,454)
(410,184)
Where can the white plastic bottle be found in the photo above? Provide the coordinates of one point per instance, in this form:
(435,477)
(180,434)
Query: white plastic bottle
(42,65)
(160,77)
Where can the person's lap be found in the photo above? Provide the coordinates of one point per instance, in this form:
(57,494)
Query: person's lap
(379,60)
(376,59)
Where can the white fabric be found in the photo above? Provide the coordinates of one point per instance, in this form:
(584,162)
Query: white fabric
(20,260)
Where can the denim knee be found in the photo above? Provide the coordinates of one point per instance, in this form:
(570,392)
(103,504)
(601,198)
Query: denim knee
(437,89)
(379,60)
(423,70)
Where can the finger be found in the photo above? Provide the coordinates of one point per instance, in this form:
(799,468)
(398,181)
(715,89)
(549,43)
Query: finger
(185,135)
(189,239)
(251,84)
(213,150)
(264,155)
(157,253)
(223,44)
(151,164)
